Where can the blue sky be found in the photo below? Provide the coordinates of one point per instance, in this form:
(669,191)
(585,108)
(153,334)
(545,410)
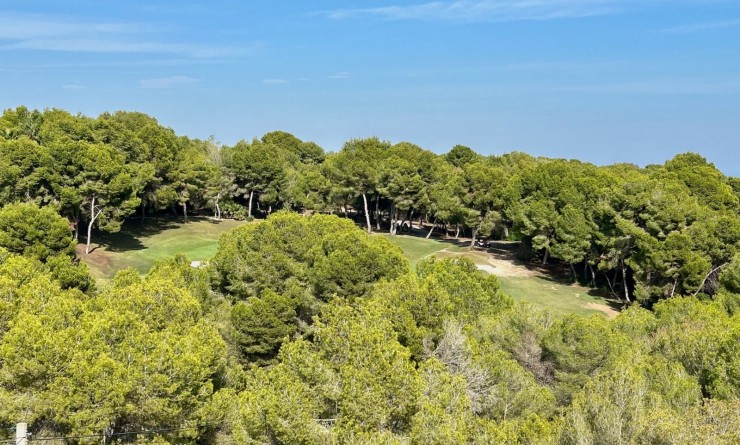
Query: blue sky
(599,80)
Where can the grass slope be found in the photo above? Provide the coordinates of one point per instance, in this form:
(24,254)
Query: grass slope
(138,246)
(522,283)
(416,248)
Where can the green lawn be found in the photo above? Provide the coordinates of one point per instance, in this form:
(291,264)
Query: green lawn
(138,246)
(539,289)
(416,248)
(559,298)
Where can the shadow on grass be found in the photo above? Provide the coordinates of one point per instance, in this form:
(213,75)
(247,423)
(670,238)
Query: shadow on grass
(133,230)
(607,297)
(117,242)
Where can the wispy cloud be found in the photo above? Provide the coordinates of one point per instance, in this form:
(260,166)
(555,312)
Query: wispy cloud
(275,81)
(489,10)
(48,33)
(167,82)
(341,75)
(34,26)
(700,26)
(73,87)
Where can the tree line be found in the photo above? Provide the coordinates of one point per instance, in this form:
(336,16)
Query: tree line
(644,233)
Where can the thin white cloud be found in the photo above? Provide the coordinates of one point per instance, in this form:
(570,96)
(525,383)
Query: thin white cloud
(341,75)
(33,26)
(275,81)
(114,46)
(49,33)
(489,10)
(701,26)
(73,87)
(167,82)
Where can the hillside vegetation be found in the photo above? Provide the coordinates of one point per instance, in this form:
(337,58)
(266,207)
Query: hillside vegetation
(306,329)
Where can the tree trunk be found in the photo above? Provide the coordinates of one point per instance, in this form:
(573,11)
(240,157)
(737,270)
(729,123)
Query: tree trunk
(593,275)
(706,277)
(367,213)
(506,232)
(457,231)
(544,258)
(142,212)
(624,283)
(573,268)
(611,286)
(434,224)
(251,195)
(218,207)
(377,212)
(391,217)
(93,217)
(185,210)
(475,233)
(400,224)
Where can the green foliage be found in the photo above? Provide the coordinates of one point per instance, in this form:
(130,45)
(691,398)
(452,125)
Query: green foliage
(35,232)
(610,409)
(262,324)
(70,273)
(461,155)
(347,264)
(378,384)
(178,269)
(306,152)
(307,330)
(463,292)
(277,407)
(579,347)
(139,355)
(730,277)
(692,333)
(445,414)
(288,253)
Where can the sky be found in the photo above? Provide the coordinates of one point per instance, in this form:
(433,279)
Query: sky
(603,81)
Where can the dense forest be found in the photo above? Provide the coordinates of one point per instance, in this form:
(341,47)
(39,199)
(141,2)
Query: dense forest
(306,329)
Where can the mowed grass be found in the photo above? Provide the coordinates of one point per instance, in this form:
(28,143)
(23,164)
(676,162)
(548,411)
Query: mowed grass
(415,248)
(138,246)
(558,297)
(551,292)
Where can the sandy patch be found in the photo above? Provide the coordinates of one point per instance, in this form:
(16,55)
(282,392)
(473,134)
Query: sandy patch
(611,313)
(486,268)
(501,265)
